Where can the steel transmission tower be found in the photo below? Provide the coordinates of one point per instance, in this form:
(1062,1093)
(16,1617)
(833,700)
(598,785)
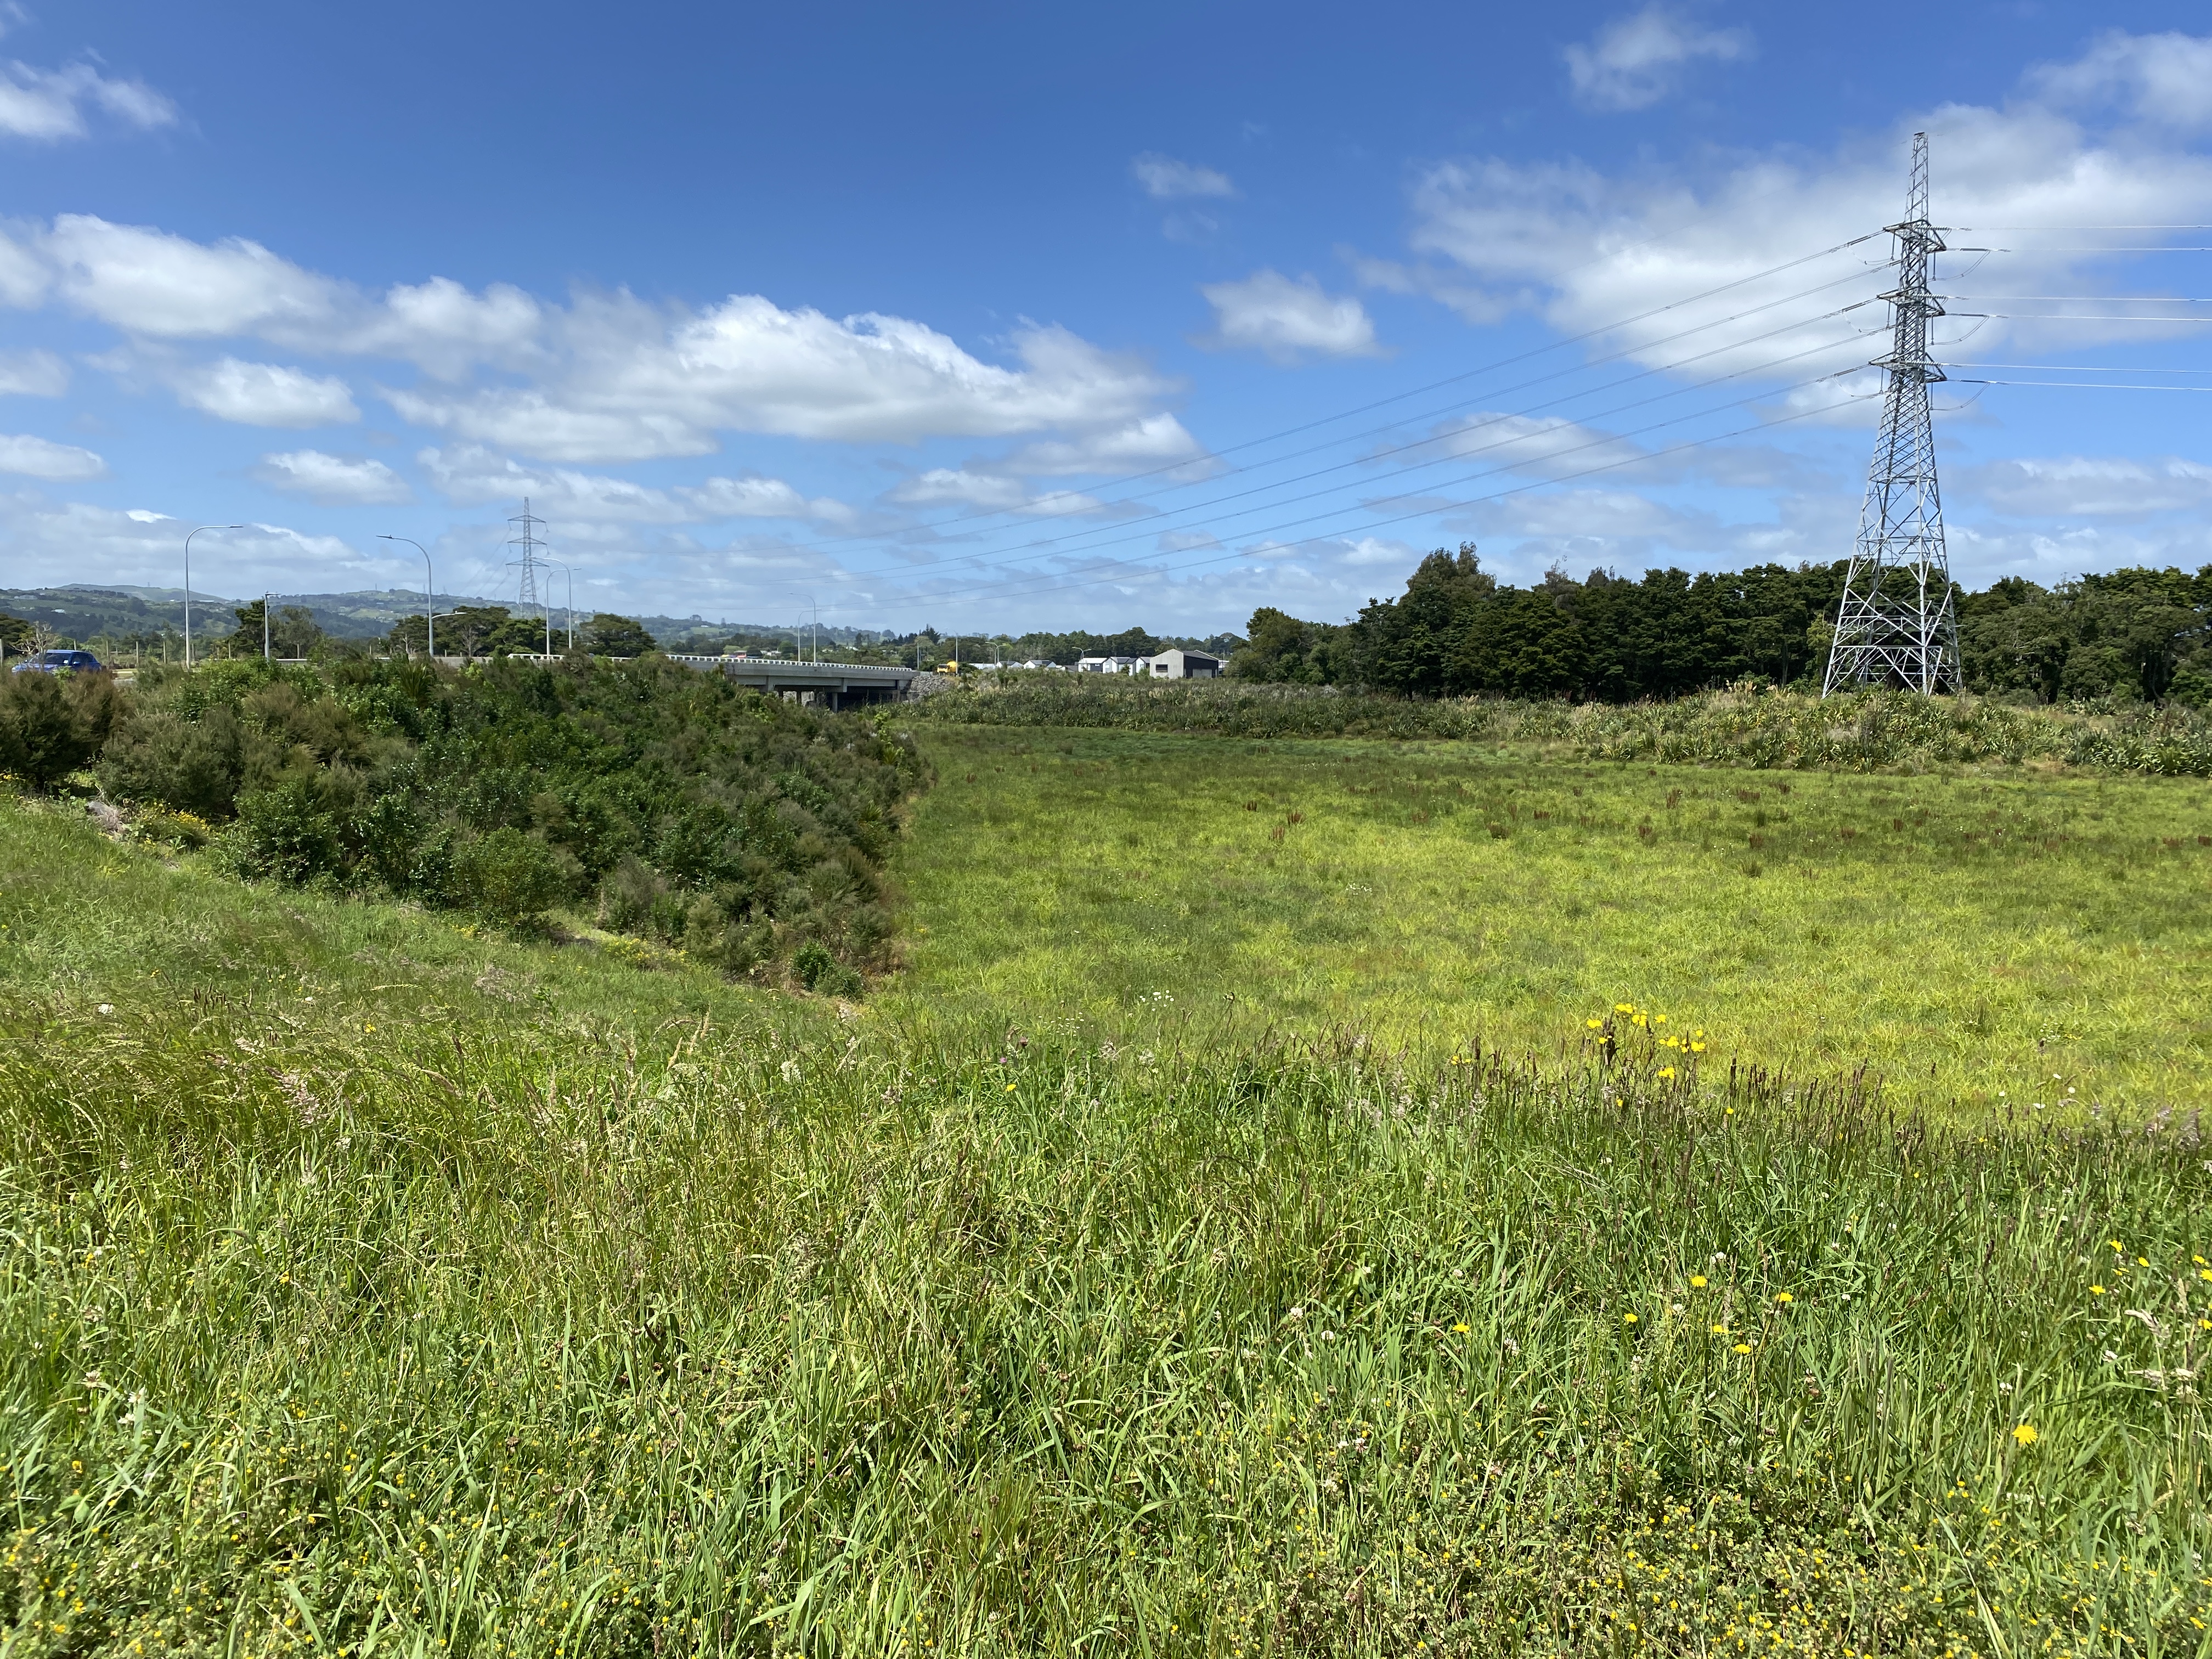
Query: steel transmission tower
(1896,625)
(527,537)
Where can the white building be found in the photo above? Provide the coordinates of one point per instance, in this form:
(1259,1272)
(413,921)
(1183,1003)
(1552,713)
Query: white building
(1111,665)
(1180,666)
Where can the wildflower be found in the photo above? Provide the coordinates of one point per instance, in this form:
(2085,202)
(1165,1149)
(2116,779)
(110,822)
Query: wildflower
(1743,1347)
(1696,1281)
(2204,1273)
(1628,1319)
(2096,1289)
(1720,1330)
(2025,1434)
(1665,1072)
(1696,1047)
(1595,1025)
(1009,1088)
(1461,1326)
(1622,1008)
(1786,1299)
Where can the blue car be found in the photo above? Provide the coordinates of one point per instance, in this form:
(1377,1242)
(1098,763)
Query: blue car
(49,662)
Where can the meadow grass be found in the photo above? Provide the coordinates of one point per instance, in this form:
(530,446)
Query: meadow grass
(504,1300)
(1973,938)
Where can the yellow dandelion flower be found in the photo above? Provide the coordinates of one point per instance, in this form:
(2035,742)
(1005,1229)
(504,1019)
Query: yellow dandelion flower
(1696,1281)
(1624,1008)
(1009,1088)
(1665,1072)
(1461,1328)
(1658,1019)
(1595,1025)
(2025,1434)
(1628,1319)
(1786,1299)
(1743,1347)
(1720,1330)
(1696,1047)
(2204,1273)
(2096,1289)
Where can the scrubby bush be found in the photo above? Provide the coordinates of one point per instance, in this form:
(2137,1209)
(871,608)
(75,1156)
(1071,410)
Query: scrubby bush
(677,805)
(51,725)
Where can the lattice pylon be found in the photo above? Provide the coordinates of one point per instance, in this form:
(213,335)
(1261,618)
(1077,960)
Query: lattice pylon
(1897,625)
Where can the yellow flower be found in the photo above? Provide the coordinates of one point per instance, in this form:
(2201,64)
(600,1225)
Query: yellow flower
(2096,1289)
(1696,1047)
(1009,1088)
(1624,1008)
(1658,1019)
(1743,1347)
(1628,1319)
(2204,1273)
(1786,1299)
(1595,1025)
(2025,1434)
(1665,1072)
(1720,1330)
(1696,1281)
(1461,1328)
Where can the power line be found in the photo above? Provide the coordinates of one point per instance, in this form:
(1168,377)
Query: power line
(1400,397)
(1056,583)
(2080,368)
(2077,316)
(1071,544)
(2084,386)
(2089,299)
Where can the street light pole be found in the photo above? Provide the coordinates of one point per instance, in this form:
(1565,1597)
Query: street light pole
(429,596)
(189,534)
(569,577)
(265,627)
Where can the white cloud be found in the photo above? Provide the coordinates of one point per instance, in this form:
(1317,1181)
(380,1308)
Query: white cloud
(1521,443)
(1636,60)
(603,378)
(1270,313)
(35,457)
(49,105)
(2071,486)
(639,381)
(1166,179)
(945,486)
(55,541)
(333,480)
(265,394)
(148,282)
(2163,78)
(32,375)
(1585,249)
(1140,446)
(470,474)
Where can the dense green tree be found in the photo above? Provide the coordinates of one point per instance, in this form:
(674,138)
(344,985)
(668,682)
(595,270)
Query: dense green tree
(610,635)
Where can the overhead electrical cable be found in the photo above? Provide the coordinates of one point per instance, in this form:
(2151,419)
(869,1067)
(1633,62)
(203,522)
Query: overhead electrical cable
(1400,397)
(1042,583)
(1365,509)
(1079,541)
(2081,386)
(1028,547)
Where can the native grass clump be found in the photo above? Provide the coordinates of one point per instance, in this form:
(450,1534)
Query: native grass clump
(338,1314)
(1748,726)
(655,800)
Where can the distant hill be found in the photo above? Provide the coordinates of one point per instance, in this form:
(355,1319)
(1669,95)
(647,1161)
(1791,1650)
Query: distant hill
(83,611)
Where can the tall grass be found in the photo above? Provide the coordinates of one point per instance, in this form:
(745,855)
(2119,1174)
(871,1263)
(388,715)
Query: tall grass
(1859,732)
(527,1329)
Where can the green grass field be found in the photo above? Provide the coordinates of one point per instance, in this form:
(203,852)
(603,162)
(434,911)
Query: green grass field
(370,1285)
(1985,939)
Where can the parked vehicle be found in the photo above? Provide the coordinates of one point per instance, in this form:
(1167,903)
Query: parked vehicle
(52,662)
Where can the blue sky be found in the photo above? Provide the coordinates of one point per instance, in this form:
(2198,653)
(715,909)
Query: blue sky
(1004,317)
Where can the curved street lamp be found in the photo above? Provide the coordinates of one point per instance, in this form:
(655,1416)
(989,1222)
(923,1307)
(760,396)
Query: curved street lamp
(429,595)
(188,584)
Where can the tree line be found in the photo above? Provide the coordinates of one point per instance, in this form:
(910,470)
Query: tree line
(1457,631)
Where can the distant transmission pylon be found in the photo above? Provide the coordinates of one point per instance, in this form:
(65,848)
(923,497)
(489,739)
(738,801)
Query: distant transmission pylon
(527,537)
(1896,625)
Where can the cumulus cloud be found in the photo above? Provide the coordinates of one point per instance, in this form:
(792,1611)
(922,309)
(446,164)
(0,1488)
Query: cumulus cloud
(265,394)
(2162,78)
(1166,179)
(55,541)
(1270,313)
(602,378)
(35,457)
(945,486)
(2086,486)
(470,474)
(1636,60)
(1140,446)
(333,480)
(1584,249)
(32,375)
(641,381)
(50,104)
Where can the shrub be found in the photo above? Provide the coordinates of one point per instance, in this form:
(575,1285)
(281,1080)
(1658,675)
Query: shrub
(288,832)
(187,765)
(51,725)
(506,875)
